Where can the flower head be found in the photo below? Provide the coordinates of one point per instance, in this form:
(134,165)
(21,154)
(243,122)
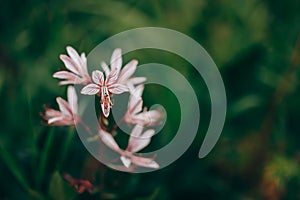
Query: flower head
(104,89)
(137,142)
(134,113)
(68,111)
(115,81)
(77,66)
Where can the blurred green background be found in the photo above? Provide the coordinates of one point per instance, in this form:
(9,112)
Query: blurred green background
(254,43)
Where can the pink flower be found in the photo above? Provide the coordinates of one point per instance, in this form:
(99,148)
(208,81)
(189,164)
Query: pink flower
(68,111)
(104,89)
(124,75)
(137,142)
(134,113)
(77,66)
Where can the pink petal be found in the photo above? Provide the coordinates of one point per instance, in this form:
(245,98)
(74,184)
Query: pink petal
(65,75)
(55,119)
(109,141)
(70,65)
(105,68)
(144,162)
(72,99)
(98,77)
(49,113)
(117,88)
(75,57)
(111,78)
(137,143)
(84,62)
(64,106)
(90,89)
(127,71)
(116,60)
(137,80)
(126,161)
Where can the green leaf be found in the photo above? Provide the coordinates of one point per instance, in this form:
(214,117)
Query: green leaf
(44,157)
(14,168)
(59,189)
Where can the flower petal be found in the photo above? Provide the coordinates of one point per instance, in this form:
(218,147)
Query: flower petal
(75,57)
(65,75)
(118,88)
(137,80)
(72,99)
(55,119)
(70,64)
(116,60)
(127,71)
(105,68)
(90,89)
(64,107)
(109,141)
(126,161)
(137,143)
(111,78)
(98,77)
(144,162)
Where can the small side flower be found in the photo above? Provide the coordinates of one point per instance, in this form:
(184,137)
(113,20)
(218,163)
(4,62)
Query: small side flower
(67,113)
(137,142)
(135,114)
(77,66)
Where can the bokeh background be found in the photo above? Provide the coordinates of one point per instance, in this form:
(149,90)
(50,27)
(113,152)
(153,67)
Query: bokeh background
(254,43)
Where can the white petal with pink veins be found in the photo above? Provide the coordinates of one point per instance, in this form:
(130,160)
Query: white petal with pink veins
(127,71)
(90,89)
(116,60)
(75,57)
(117,88)
(98,77)
(70,64)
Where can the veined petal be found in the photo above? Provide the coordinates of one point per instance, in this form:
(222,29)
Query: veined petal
(127,71)
(111,78)
(64,106)
(126,161)
(109,141)
(117,88)
(98,77)
(90,89)
(72,99)
(144,162)
(116,60)
(69,63)
(75,57)
(105,68)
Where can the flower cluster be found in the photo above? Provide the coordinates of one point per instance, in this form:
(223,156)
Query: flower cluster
(111,80)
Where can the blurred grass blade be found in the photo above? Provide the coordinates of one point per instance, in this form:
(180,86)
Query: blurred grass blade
(65,147)
(59,189)
(14,168)
(44,157)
